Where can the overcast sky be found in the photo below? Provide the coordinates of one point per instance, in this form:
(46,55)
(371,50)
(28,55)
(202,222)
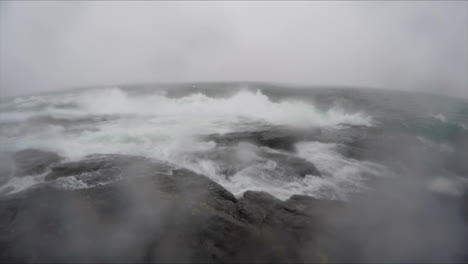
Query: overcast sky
(398,45)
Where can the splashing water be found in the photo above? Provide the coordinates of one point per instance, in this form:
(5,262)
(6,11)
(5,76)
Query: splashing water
(158,126)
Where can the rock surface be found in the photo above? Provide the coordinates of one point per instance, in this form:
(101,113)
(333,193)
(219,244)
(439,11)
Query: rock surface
(133,209)
(154,212)
(33,161)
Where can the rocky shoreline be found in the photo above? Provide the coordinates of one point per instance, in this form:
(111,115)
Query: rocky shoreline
(134,209)
(155,212)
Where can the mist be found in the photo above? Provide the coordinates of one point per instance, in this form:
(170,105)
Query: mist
(413,46)
(228,132)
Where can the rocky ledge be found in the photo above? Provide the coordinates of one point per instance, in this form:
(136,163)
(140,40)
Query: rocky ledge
(118,208)
(133,209)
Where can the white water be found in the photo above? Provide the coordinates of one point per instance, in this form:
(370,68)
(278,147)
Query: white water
(17,184)
(440,117)
(166,128)
(342,176)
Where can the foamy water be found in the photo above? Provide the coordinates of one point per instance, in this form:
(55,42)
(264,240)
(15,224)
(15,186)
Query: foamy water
(152,124)
(165,128)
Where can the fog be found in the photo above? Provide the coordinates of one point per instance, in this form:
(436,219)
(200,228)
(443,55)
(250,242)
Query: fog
(420,46)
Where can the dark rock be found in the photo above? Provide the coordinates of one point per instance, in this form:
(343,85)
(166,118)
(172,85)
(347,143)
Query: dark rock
(155,213)
(127,220)
(287,227)
(255,207)
(106,166)
(7,167)
(260,198)
(34,161)
(312,206)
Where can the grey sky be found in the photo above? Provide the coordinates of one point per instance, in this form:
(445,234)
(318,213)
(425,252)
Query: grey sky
(397,45)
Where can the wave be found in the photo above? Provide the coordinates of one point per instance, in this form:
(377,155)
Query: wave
(148,122)
(166,128)
(245,104)
(340,176)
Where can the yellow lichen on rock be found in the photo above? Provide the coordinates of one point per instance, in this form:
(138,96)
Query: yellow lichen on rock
(195,211)
(323,259)
(300,207)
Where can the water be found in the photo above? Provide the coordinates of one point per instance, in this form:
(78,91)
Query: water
(167,123)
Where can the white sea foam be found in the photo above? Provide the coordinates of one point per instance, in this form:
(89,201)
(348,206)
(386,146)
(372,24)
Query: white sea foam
(17,184)
(165,128)
(244,104)
(70,183)
(156,123)
(340,178)
(440,117)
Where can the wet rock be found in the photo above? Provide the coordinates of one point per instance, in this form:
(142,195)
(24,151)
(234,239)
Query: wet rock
(34,161)
(255,207)
(312,206)
(105,166)
(7,167)
(291,227)
(129,220)
(264,209)
(155,213)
